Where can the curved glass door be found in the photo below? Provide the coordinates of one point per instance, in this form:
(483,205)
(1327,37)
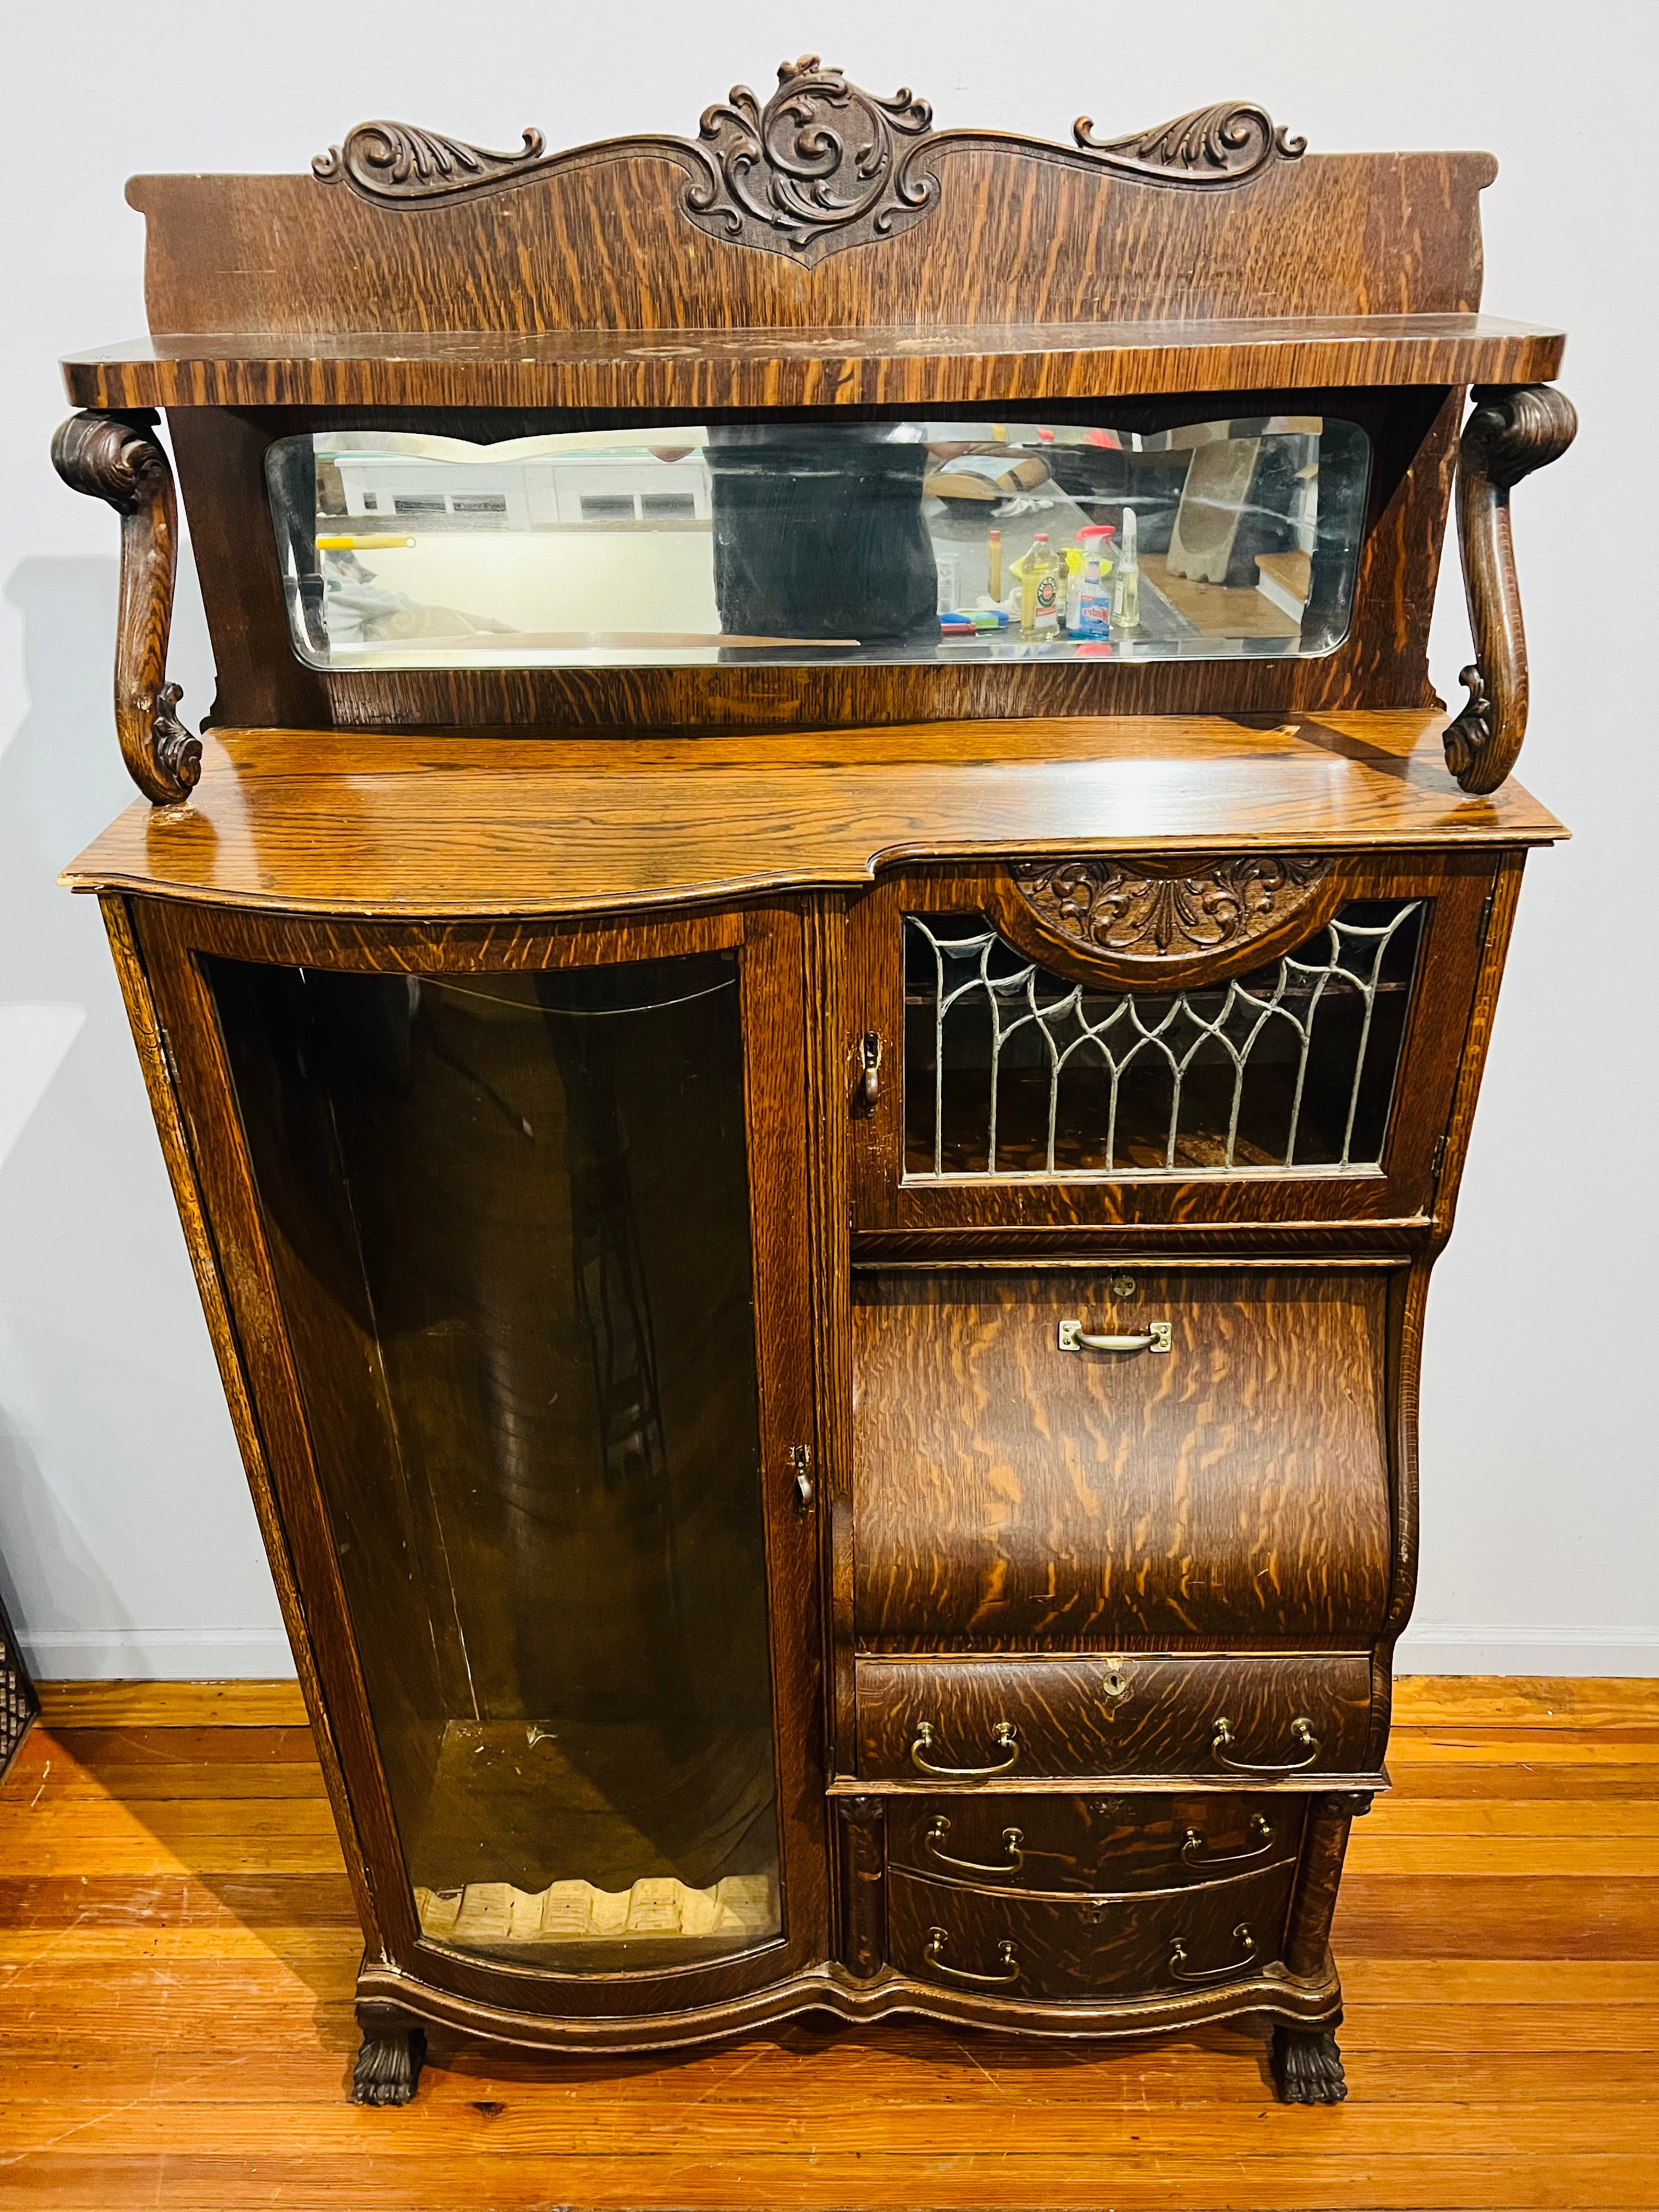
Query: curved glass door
(510,1219)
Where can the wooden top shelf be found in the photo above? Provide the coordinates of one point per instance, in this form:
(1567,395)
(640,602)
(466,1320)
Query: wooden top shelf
(808,367)
(444,826)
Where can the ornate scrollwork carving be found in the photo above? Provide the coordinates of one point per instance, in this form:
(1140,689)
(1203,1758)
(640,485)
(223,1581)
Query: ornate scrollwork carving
(397,161)
(1132,912)
(1515,429)
(1218,145)
(822,158)
(112,458)
(821,166)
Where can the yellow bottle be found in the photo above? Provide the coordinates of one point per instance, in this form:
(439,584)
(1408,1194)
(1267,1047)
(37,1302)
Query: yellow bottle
(1042,579)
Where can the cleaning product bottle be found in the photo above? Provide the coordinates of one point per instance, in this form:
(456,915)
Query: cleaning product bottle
(1126,586)
(1094,607)
(1094,539)
(994,553)
(1042,590)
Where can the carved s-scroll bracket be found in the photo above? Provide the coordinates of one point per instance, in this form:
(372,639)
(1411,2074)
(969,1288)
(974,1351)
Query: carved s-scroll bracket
(1515,429)
(114,457)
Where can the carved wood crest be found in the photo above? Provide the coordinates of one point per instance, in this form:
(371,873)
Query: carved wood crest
(821,166)
(1131,912)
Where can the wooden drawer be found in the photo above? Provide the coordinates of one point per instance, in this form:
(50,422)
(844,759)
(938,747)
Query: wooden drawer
(975,1720)
(1028,1844)
(1001,1944)
(1009,1493)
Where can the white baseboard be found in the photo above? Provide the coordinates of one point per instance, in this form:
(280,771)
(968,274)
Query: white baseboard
(157,1655)
(1431,1648)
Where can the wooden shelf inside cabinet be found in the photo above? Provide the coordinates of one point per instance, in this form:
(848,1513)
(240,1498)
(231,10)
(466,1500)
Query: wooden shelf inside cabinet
(447,826)
(807,366)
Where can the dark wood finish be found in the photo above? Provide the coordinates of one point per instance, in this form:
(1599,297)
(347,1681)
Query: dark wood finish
(802,363)
(392,825)
(20,1706)
(1510,434)
(1400,1190)
(1080,1664)
(118,461)
(1124,923)
(1223,1933)
(1067,1721)
(862,1823)
(1099,1846)
(821,167)
(1011,1496)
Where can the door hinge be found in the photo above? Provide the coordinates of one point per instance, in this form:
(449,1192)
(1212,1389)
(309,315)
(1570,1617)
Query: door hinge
(1439,1155)
(167,1060)
(1484,922)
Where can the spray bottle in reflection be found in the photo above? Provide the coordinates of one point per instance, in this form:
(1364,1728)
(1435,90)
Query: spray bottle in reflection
(1125,584)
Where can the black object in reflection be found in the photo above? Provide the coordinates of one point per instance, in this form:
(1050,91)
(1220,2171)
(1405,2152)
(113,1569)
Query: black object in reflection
(821,536)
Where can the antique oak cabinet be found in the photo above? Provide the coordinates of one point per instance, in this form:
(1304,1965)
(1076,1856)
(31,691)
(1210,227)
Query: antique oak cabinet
(815,997)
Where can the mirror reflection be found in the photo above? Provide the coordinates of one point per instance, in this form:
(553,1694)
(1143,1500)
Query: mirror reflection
(796,542)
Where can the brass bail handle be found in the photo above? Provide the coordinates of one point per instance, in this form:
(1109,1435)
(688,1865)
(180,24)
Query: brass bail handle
(1301,1733)
(1155,1337)
(1004,1734)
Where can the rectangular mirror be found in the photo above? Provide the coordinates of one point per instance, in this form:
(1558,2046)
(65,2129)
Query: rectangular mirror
(767,542)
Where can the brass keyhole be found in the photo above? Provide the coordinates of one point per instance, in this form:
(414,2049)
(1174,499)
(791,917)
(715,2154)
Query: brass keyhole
(1124,1286)
(1115,1682)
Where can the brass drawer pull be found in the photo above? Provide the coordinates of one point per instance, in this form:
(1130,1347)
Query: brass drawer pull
(1005,1733)
(934,1954)
(1012,1839)
(1155,1337)
(1242,1936)
(1301,1730)
(1195,1852)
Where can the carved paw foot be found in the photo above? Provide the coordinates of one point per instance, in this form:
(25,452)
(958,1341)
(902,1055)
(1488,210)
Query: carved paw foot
(1307,2066)
(388,2066)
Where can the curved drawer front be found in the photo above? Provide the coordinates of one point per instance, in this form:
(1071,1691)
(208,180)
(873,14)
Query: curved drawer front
(1030,1844)
(966,1939)
(977,1720)
(1066,1459)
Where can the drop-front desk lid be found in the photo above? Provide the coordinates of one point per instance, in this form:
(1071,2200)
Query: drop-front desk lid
(445,824)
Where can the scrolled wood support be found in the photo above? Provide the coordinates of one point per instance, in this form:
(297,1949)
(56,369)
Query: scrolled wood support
(112,458)
(1515,429)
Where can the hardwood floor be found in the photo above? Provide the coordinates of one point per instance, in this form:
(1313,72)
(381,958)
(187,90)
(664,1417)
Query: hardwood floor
(177,1950)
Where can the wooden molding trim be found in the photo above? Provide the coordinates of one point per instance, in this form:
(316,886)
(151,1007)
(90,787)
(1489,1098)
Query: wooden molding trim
(824,165)
(1513,430)
(114,459)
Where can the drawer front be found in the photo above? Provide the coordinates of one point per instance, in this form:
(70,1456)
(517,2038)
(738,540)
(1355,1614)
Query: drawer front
(1029,1845)
(979,1720)
(1222,1474)
(1025,1946)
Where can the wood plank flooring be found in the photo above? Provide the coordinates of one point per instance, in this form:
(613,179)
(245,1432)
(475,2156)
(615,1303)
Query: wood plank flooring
(177,1949)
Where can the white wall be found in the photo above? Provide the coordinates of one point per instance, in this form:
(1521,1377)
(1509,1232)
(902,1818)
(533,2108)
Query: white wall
(128,1542)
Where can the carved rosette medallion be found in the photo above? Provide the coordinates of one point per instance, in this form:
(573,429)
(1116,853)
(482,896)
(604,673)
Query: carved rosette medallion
(1111,905)
(821,166)
(820,159)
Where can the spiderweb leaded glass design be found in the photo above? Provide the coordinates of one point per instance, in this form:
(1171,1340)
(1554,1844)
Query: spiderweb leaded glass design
(1010,1069)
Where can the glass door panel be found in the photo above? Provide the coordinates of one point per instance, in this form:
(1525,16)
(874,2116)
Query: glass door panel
(509,1215)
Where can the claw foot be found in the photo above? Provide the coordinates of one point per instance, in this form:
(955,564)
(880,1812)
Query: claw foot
(388,2066)
(1307,2066)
